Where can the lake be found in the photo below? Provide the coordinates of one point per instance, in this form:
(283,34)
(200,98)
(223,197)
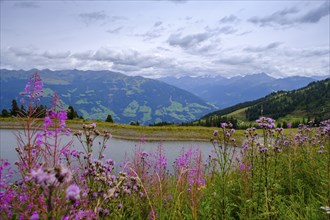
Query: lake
(117,149)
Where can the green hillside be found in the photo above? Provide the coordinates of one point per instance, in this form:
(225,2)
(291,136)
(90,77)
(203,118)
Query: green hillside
(97,94)
(312,101)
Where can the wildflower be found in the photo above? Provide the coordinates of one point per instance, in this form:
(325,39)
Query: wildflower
(39,139)
(63,174)
(264,122)
(43,177)
(215,133)
(264,149)
(153,215)
(47,122)
(35,216)
(120,206)
(73,192)
(243,167)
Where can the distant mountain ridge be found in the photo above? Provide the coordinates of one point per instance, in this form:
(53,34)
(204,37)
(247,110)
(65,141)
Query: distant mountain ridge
(95,94)
(312,101)
(224,92)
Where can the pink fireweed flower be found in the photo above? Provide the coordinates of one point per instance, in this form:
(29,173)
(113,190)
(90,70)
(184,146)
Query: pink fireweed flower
(35,216)
(63,174)
(33,89)
(43,177)
(73,192)
(62,116)
(243,167)
(39,140)
(47,122)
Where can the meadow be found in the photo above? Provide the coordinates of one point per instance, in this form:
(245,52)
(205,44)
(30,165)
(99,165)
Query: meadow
(269,173)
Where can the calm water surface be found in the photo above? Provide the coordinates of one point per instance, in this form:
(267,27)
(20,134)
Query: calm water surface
(117,149)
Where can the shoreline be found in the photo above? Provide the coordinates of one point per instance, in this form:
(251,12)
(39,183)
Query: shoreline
(133,133)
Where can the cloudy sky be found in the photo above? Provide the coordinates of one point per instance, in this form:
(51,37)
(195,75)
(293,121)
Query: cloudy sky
(168,38)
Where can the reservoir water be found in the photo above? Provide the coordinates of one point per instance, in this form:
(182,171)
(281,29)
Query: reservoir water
(117,149)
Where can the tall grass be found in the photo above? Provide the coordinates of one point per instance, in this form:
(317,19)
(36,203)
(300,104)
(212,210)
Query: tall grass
(272,174)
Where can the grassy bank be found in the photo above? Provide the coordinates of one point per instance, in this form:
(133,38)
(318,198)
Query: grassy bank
(132,132)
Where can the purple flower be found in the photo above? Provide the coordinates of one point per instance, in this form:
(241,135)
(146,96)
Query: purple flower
(33,89)
(47,122)
(62,116)
(42,177)
(73,192)
(267,123)
(223,125)
(153,215)
(35,216)
(215,133)
(264,149)
(243,167)
(39,139)
(63,174)
(120,206)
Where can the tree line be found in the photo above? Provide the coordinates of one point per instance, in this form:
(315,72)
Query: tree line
(41,111)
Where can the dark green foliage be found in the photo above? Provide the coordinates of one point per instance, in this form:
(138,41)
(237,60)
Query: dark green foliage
(163,123)
(109,119)
(135,123)
(214,121)
(72,114)
(14,108)
(96,94)
(314,100)
(5,113)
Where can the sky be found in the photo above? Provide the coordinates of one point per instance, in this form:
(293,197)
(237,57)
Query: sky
(168,38)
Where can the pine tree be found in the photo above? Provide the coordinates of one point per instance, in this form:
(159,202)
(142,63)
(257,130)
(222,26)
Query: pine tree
(14,108)
(109,119)
(72,114)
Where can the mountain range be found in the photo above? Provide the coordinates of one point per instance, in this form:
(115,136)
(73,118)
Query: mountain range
(224,92)
(96,94)
(312,101)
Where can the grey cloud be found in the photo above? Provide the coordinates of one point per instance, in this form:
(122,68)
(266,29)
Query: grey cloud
(58,55)
(316,14)
(155,32)
(227,30)
(279,17)
(311,52)
(22,51)
(117,18)
(263,48)
(122,58)
(89,18)
(178,1)
(25,52)
(158,23)
(244,33)
(285,17)
(26,4)
(235,60)
(229,19)
(187,41)
(115,31)
(86,55)
(224,30)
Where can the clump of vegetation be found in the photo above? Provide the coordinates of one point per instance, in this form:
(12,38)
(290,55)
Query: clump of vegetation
(270,176)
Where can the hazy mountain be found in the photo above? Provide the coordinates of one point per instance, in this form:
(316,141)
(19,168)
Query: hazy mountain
(224,92)
(95,94)
(311,101)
